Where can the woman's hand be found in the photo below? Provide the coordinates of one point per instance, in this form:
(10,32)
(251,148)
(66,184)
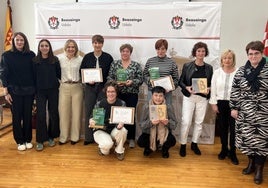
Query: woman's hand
(129,82)
(164,121)
(234,114)
(8,98)
(91,122)
(155,122)
(215,108)
(190,89)
(120,125)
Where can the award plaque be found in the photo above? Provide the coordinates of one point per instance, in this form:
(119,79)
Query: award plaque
(158,112)
(199,85)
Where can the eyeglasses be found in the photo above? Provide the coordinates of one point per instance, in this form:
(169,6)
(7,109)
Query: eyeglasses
(254,54)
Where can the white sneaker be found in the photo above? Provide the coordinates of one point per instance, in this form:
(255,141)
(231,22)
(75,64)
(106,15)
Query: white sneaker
(29,145)
(21,147)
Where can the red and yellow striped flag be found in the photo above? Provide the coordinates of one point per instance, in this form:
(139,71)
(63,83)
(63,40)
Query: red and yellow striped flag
(8,28)
(265,41)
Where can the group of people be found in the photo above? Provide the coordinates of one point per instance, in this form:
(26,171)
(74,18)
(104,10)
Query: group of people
(238,96)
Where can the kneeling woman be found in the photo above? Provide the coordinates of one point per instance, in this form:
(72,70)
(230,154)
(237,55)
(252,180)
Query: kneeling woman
(157,134)
(104,137)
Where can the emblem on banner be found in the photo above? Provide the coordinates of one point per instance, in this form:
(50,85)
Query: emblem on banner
(114,22)
(176,22)
(53,22)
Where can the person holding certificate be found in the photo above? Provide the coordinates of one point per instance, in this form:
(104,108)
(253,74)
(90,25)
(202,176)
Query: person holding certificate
(97,59)
(195,84)
(221,85)
(128,74)
(157,124)
(104,137)
(71,94)
(161,66)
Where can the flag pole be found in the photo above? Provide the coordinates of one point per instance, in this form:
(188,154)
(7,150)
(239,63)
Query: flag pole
(8,28)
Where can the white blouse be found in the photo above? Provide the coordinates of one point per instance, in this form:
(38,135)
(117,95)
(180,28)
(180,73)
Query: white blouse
(70,68)
(221,85)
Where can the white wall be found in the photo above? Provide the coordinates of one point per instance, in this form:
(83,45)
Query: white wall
(242,22)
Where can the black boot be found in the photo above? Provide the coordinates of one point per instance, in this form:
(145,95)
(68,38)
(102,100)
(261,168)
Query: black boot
(224,152)
(258,174)
(183,150)
(195,148)
(233,157)
(165,153)
(147,151)
(251,166)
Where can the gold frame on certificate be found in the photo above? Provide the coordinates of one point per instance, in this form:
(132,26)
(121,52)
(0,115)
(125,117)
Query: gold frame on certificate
(121,114)
(165,82)
(91,75)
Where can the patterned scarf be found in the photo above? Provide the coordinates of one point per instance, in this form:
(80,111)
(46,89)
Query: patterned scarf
(252,75)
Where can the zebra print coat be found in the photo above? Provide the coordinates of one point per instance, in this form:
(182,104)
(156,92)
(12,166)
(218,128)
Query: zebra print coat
(252,123)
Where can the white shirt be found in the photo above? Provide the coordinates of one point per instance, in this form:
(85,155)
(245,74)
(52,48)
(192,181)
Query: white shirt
(70,68)
(221,85)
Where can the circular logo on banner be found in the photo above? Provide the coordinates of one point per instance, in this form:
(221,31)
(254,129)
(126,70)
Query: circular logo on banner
(114,22)
(53,22)
(176,22)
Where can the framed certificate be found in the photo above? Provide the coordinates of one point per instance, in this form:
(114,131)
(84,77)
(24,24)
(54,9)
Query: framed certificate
(158,112)
(166,82)
(199,85)
(121,114)
(91,75)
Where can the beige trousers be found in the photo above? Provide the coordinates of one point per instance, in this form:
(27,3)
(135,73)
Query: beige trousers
(70,111)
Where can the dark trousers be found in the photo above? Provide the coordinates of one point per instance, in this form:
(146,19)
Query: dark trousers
(21,109)
(131,100)
(92,95)
(226,124)
(47,99)
(144,141)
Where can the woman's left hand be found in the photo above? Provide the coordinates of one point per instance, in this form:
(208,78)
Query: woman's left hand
(129,82)
(120,125)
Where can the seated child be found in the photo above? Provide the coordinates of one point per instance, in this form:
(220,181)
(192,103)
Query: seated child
(157,134)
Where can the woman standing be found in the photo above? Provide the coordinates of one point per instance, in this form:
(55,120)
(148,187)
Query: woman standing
(18,82)
(165,66)
(249,106)
(47,74)
(221,85)
(128,91)
(194,103)
(71,94)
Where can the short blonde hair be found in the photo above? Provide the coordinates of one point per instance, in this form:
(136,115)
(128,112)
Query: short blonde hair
(75,46)
(225,53)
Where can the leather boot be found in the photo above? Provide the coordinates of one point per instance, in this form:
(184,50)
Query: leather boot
(195,148)
(258,174)
(233,157)
(183,150)
(251,166)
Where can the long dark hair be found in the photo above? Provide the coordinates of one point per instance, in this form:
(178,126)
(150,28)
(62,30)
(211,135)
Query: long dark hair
(51,58)
(26,47)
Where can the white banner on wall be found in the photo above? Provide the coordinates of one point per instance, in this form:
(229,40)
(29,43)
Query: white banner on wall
(140,24)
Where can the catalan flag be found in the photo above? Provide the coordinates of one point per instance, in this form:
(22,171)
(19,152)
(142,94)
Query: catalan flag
(8,28)
(265,41)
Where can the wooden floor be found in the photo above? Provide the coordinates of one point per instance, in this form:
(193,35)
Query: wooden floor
(68,166)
